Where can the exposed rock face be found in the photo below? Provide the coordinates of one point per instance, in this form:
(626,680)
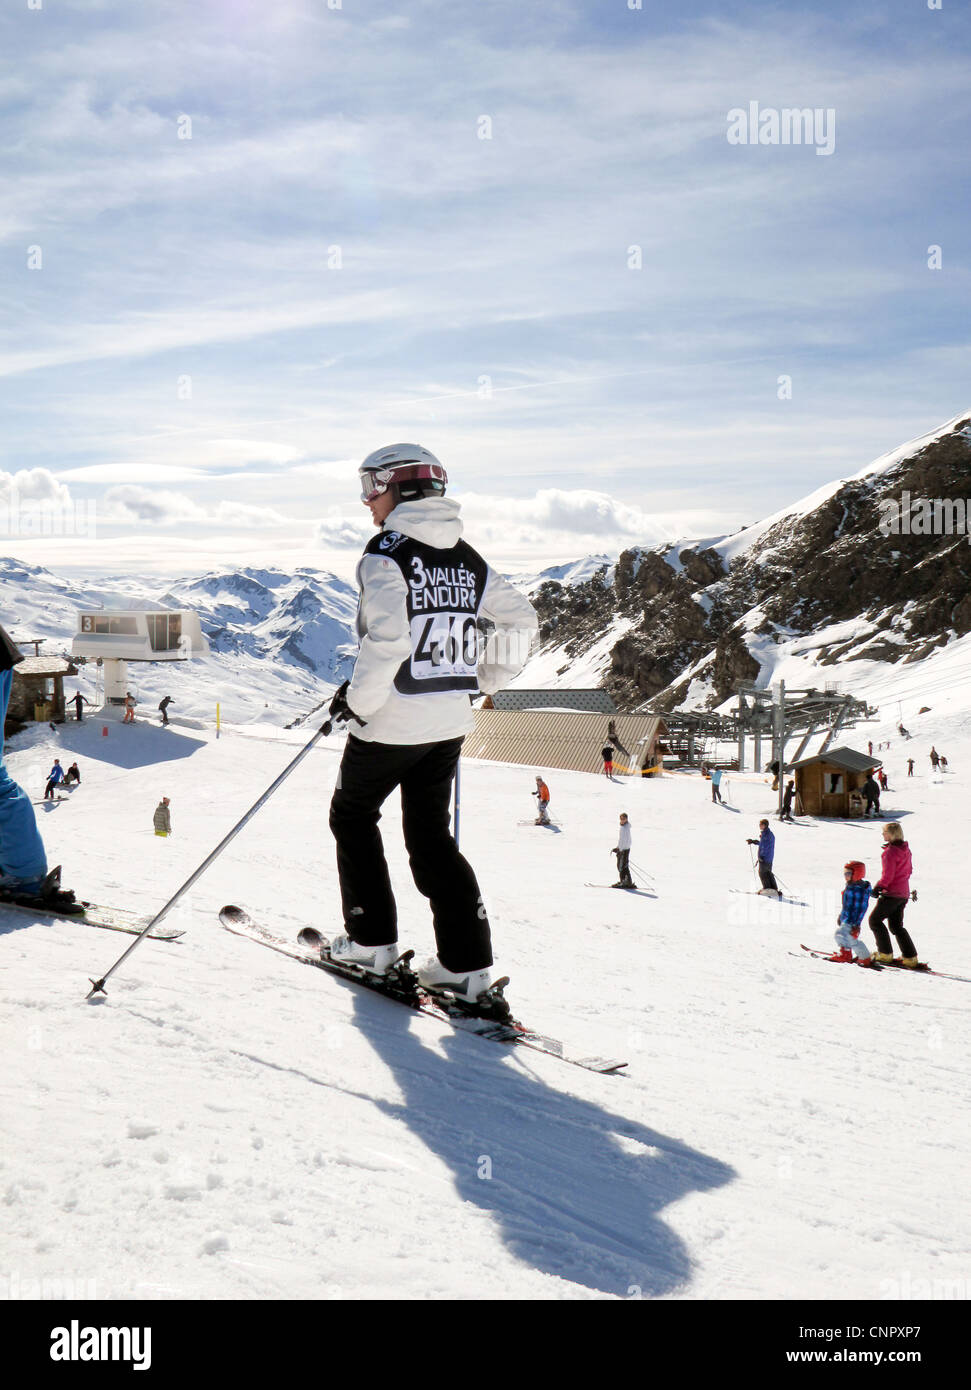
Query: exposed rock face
(906,587)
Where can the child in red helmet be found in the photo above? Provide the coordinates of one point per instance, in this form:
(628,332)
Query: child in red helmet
(856,897)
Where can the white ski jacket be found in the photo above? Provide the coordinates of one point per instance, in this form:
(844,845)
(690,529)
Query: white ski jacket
(386,642)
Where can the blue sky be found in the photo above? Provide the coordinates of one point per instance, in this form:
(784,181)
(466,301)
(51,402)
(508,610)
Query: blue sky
(185,354)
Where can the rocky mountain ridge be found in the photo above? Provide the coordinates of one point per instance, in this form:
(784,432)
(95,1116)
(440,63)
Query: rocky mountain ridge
(830,570)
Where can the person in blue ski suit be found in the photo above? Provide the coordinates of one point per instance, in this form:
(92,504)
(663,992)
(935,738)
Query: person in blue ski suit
(766,852)
(23,862)
(716,777)
(54,778)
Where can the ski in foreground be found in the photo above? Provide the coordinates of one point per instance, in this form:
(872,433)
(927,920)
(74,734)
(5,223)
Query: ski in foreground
(401,985)
(95,915)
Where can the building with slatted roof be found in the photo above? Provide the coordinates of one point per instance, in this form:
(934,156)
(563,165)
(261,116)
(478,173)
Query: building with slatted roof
(566,738)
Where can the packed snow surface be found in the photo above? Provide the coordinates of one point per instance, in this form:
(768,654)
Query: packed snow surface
(228,1123)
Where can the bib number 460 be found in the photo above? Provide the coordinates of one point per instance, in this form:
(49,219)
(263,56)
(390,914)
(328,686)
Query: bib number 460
(446,643)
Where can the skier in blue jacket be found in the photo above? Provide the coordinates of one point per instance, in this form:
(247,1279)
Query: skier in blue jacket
(716,777)
(766,854)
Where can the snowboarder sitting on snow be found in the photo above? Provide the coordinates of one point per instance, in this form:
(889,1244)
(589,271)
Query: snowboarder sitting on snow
(766,844)
(163,818)
(622,852)
(72,777)
(607,753)
(856,898)
(542,794)
(871,794)
(423,592)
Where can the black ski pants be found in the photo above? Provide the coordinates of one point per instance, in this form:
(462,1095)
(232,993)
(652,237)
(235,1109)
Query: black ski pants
(623,868)
(766,876)
(889,912)
(369,773)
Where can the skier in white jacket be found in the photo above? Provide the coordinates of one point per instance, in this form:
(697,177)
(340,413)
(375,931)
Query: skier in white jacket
(424,595)
(622,852)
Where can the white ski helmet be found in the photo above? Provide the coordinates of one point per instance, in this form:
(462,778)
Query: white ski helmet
(414,471)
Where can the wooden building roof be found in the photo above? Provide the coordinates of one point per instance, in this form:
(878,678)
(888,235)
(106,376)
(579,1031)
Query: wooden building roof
(39,666)
(847,758)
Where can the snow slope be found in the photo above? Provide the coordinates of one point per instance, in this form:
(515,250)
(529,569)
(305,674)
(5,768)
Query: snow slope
(230,1124)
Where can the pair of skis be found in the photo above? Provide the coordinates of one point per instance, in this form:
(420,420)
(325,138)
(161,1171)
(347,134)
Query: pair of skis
(490,1018)
(920,969)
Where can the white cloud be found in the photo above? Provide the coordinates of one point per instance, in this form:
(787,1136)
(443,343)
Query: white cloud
(32,486)
(160,507)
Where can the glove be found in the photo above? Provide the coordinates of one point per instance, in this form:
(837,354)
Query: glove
(751,842)
(340,711)
(913,895)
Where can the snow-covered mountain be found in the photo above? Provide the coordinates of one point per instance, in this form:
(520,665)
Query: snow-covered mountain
(827,589)
(279,642)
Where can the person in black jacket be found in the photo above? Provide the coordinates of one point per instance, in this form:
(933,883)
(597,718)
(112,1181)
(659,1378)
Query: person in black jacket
(164,707)
(871,795)
(607,753)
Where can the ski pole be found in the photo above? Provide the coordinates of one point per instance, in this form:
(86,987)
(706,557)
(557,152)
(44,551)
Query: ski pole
(643,872)
(98,986)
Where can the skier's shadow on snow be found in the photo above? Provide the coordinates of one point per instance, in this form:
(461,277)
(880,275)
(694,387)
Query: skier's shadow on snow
(577,1191)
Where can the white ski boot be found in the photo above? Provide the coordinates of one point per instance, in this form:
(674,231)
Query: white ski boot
(466,985)
(377,960)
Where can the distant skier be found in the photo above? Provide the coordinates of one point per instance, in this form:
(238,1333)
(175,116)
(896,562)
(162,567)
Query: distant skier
(787,799)
(423,591)
(164,707)
(54,777)
(883,780)
(869,748)
(129,709)
(79,702)
(607,753)
(23,863)
(766,854)
(935,759)
(943,763)
(910,767)
(892,893)
(856,897)
(622,852)
(163,817)
(542,794)
(716,777)
(871,795)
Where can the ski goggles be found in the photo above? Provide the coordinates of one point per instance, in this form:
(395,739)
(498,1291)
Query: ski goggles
(375,481)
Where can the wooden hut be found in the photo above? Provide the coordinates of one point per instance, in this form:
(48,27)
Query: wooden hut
(829,783)
(37,691)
